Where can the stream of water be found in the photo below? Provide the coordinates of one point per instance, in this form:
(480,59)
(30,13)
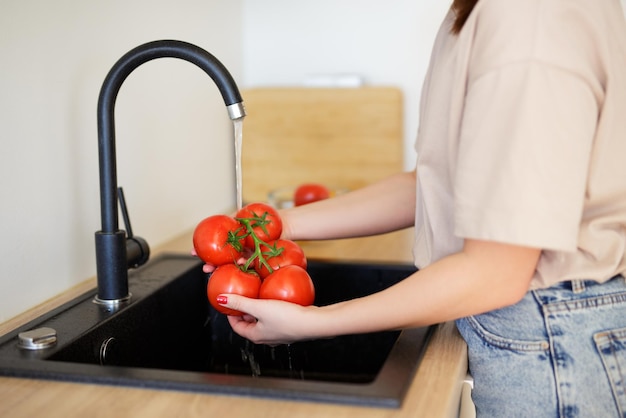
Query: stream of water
(247,354)
(238,128)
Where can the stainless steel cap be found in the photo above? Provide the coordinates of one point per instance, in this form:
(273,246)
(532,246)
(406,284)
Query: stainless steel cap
(37,339)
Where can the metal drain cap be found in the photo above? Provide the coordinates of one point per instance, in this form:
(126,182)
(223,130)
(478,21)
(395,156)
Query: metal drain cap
(37,339)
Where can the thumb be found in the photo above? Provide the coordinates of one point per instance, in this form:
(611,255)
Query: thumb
(237,303)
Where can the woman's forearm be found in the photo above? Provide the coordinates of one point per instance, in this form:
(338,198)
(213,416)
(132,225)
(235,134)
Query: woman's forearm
(482,277)
(358,213)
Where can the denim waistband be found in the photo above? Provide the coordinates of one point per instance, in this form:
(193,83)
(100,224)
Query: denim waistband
(582,289)
(580,286)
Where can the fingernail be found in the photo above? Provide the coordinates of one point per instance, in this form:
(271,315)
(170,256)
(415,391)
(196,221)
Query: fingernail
(222,300)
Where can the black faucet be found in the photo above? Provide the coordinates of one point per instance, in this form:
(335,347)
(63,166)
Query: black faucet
(115,251)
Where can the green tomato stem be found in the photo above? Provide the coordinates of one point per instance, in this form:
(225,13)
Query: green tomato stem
(249,224)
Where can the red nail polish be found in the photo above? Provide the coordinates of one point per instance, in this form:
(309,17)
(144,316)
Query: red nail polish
(222,300)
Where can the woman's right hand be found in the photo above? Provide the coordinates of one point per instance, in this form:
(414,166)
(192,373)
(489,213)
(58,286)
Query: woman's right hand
(207,268)
(210,268)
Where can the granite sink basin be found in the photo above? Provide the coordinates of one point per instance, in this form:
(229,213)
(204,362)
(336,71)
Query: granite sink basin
(169,337)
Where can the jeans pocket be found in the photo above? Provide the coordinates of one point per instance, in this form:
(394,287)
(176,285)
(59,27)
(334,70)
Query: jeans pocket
(612,348)
(502,342)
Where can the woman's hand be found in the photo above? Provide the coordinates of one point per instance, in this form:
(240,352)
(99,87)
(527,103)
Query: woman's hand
(207,268)
(267,321)
(210,268)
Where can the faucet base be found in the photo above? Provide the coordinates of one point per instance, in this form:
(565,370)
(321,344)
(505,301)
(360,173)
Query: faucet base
(113,304)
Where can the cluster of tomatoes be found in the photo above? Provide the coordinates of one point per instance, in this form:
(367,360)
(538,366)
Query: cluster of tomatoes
(274,268)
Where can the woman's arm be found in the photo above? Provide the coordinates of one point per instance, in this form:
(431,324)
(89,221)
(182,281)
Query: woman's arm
(482,277)
(384,206)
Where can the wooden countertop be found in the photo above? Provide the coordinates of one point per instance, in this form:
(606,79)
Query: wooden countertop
(435,391)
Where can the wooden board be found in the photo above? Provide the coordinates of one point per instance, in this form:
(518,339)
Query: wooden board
(345,137)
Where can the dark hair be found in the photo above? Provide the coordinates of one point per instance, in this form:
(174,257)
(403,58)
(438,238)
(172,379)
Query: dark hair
(462,10)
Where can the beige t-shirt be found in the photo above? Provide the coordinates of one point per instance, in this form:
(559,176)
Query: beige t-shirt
(522,136)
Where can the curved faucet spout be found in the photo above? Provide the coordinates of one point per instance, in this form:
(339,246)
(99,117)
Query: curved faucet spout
(111,243)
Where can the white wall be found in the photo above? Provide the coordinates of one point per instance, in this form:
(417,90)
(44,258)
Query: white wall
(175,143)
(385,42)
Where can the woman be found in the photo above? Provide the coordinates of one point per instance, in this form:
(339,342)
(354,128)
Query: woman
(519,204)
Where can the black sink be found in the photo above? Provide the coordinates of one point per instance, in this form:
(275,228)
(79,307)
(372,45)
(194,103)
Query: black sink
(169,337)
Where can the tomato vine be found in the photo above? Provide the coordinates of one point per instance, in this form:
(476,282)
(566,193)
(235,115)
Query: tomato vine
(249,224)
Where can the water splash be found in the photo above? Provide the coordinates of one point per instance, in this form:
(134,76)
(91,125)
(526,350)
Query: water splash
(289,360)
(247,355)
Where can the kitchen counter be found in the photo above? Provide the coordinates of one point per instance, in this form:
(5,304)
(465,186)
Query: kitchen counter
(434,392)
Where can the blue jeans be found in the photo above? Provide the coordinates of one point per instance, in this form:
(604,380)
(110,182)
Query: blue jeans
(559,352)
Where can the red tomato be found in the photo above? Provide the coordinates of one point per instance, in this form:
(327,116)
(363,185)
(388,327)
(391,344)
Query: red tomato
(266,222)
(217,240)
(230,279)
(290,253)
(289,283)
(309,193)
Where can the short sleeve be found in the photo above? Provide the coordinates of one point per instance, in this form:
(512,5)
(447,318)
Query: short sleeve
(523,156)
